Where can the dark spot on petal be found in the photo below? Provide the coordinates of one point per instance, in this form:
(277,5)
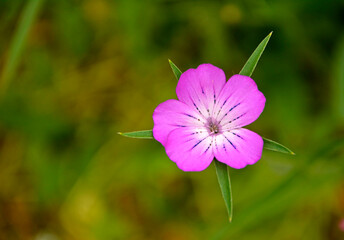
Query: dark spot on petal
(231,143)
(199,142)
(237,135)
(237,118)
(233,107)
(190,116)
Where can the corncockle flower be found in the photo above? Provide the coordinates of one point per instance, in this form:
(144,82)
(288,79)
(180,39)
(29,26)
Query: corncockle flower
(207,120)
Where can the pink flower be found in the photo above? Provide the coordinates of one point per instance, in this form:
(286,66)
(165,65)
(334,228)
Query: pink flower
(207,120)
(341,225)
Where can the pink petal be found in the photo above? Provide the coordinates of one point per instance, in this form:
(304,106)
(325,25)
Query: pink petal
(238,147)
(200,87)
(240,103)
(190,148)
(170,115)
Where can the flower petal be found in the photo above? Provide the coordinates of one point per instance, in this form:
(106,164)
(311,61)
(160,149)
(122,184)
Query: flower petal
(200,87)
(238,147)
(240,103)
(170,115)
(190,148)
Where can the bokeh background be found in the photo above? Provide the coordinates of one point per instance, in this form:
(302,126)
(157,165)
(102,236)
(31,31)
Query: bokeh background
(75,72)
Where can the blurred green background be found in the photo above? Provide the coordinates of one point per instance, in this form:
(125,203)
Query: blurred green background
(75,72)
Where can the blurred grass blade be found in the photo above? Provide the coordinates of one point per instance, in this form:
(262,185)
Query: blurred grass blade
(251,63)
(144,134)
(26,19)
(275,146)
(175,69)
(225,185)
(284,194)
(338,81)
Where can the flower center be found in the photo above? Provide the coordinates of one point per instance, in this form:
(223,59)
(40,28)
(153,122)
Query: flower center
(213,126)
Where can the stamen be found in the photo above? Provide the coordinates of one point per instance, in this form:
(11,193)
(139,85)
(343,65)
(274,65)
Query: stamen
(213,126)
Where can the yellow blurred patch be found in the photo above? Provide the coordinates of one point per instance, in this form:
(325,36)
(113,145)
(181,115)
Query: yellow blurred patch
(97,11)
(231,14)
(83,210)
